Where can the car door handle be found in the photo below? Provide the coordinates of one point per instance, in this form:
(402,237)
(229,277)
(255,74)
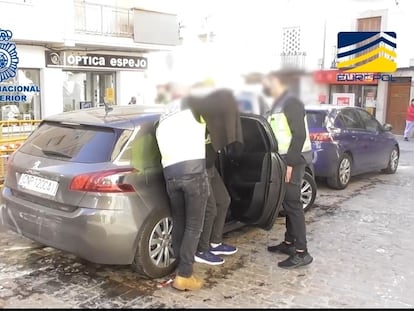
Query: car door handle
(354,137)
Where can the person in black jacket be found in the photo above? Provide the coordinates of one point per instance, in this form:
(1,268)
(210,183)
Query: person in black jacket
(288,120)
(219,109)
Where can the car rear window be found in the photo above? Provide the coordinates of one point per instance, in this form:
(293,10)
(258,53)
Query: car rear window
(316,119)
(74,143)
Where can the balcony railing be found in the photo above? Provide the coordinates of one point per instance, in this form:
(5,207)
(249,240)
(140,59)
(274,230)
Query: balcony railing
(103,20)
(295,60)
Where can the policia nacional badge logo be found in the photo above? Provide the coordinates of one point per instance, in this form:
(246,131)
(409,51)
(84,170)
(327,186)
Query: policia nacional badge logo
(8,56)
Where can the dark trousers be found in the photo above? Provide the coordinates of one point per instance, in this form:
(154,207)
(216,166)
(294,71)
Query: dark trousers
(188,198)
(295,217)
(216,211)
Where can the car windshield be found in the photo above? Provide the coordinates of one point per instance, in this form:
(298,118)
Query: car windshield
(80,143)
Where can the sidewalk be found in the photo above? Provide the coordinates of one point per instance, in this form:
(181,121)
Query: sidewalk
(405,145)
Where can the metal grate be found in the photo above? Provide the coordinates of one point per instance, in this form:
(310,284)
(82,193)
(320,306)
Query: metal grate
(292,55)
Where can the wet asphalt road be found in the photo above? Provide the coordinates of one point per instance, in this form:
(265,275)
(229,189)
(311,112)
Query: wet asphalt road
(361,239)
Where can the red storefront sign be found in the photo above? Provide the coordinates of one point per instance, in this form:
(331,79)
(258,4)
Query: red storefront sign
(343,101)
(331,77)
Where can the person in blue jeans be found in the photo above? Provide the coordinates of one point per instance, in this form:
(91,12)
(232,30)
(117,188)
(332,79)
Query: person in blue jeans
(211,240)
(220,109)
(180,136)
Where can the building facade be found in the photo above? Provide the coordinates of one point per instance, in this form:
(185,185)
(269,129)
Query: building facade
(83,54)
(387,100)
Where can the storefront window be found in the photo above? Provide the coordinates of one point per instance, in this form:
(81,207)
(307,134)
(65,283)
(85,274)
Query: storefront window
(87,89)
(18,103)
(365,96)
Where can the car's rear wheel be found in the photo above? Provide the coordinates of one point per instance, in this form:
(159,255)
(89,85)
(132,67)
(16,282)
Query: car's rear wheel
(392,162)
(308,191)
(343,173)
(154,257)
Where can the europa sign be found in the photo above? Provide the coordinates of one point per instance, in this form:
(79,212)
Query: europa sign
(69,59)
(364,77)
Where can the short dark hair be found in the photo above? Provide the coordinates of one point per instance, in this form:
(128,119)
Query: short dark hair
(412,100)
(286,76)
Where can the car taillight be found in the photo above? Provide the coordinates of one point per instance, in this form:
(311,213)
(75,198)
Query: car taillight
(8,163)
(106,181)
(321,137)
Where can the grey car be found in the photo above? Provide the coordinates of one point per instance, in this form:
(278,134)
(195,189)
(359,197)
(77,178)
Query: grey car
(90,183)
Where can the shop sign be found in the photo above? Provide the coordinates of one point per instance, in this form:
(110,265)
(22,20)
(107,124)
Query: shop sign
(340,77)
(322,98)
(74,60)
(344,99)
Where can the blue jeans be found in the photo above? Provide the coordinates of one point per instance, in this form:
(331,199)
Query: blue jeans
(188,198)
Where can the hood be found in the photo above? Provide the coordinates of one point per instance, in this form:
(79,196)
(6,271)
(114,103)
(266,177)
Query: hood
(220,111)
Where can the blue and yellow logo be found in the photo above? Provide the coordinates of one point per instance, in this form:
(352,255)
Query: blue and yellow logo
(367,51)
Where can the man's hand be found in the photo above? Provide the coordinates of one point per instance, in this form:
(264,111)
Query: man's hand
(288,175)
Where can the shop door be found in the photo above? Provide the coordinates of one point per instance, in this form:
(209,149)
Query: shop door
(103,88)
(398,99)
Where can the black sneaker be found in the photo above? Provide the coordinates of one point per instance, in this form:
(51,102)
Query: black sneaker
(296,260)
(405,138)
(284,248)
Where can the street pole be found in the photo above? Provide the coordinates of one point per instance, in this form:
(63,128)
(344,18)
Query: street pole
(324,45)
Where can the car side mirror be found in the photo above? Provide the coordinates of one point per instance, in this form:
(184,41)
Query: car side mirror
(387,127)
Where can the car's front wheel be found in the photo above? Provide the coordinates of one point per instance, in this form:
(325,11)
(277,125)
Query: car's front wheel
(343,173)
(154,257)
(392,162)
(308,191)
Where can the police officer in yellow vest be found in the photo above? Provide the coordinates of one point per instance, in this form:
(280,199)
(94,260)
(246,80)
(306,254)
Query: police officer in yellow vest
(288,121)
(181,141)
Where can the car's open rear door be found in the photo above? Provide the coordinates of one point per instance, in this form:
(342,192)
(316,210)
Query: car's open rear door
(255,176)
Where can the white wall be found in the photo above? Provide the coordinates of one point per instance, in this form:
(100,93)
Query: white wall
(130,83)
(30,56)
(39,20)
(382,98)
(51,81)
(401,21)
(310,91)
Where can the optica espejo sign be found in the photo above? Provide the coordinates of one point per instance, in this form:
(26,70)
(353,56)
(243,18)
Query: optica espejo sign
(73,60)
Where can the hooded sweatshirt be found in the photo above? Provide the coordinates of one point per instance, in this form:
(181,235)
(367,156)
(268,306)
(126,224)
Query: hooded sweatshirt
(220,111)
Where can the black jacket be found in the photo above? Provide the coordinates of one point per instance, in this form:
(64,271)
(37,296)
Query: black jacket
(220,111)
(294,111)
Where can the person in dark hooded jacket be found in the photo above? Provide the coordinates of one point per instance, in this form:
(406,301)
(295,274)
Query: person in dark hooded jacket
(220,111)
(181,135)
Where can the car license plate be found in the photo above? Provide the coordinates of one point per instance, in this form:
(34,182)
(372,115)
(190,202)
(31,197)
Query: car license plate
(38,184)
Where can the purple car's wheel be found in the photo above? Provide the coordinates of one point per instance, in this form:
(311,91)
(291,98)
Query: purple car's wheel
(308,191)
(392,162)
(343,173)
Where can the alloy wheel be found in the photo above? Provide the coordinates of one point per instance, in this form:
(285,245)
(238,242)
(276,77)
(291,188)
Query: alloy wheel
(394,158)
(160,249)
(306,193)
(345,171)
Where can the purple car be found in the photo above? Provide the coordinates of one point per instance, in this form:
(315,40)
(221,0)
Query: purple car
(347,141)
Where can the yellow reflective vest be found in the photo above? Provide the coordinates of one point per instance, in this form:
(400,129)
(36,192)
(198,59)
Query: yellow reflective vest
(181,139)
(283,134)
